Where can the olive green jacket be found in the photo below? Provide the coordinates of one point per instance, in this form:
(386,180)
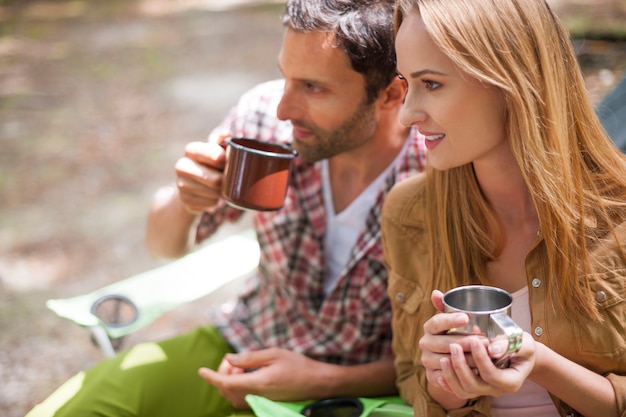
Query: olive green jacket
(599,347)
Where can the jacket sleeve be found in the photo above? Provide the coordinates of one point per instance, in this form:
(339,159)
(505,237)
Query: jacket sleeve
(406,258)
(619,385)
(407,325)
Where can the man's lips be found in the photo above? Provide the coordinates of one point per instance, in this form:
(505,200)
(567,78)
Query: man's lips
(301,133)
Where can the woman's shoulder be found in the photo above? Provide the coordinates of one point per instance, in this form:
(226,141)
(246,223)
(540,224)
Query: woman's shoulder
(406,201)
(406,192)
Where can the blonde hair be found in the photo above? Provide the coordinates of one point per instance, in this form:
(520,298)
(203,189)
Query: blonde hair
(575,175)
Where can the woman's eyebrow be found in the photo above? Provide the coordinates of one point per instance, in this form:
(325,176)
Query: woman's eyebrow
(418,74)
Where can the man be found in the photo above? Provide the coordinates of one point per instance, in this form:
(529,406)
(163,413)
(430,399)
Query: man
(315,321)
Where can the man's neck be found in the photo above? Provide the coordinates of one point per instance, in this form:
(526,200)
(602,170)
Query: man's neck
(352,172)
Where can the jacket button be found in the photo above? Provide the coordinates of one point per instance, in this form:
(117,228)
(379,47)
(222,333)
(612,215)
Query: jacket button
(536,282)
(600,296)
(538,331)
(400,297)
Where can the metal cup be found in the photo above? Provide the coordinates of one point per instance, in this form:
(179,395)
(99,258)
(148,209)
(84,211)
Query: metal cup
(489,312)
(256,174)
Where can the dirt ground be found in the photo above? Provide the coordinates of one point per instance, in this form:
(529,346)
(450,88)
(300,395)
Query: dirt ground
(97,100)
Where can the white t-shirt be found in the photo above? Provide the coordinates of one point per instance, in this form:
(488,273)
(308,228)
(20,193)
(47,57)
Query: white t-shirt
(343,229)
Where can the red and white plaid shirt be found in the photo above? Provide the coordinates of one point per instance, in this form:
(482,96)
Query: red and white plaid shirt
(284,305)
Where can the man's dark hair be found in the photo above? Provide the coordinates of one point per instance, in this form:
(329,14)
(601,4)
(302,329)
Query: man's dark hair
(362,28)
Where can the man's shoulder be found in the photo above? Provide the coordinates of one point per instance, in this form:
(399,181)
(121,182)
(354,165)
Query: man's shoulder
(414,160)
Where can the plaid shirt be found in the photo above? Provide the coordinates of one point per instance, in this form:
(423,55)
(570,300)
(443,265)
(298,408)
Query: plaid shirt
(284,305)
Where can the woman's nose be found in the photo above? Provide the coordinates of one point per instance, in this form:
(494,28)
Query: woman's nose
(412,111)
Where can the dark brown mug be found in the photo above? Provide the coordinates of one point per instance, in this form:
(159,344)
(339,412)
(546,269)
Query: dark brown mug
(256,173)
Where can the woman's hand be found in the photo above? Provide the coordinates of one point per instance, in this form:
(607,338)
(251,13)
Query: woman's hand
(464,365)
(435,343)
(479,376)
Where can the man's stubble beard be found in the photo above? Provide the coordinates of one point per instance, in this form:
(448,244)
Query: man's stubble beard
(356,131)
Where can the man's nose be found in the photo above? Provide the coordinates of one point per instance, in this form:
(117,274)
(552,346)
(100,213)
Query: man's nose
(288,105)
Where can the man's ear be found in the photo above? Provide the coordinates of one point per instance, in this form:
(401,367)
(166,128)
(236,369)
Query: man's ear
(393,95)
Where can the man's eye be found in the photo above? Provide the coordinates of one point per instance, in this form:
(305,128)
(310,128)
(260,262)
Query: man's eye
(313,88)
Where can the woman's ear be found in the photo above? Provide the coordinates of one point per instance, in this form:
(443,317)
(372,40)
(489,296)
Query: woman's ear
(393,95)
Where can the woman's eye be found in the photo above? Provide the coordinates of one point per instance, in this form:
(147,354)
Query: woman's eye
(431,85)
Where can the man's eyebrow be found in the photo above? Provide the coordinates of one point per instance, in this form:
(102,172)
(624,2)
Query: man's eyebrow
(306,80)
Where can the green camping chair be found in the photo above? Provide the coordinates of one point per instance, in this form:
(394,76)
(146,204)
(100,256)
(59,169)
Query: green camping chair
(126,306)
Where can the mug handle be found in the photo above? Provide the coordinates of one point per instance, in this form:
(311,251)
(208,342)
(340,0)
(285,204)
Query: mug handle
(509,330)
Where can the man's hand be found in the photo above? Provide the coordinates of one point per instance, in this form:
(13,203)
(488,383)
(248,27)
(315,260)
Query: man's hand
(199,176)
(277,374)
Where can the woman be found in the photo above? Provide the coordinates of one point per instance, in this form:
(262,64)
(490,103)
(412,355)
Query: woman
(525,192)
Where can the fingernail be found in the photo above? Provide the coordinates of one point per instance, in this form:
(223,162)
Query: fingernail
(442,383)
(477,344)
(495,349)
(453,351)
(444,364)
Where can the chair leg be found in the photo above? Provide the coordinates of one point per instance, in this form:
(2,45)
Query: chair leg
(103,341)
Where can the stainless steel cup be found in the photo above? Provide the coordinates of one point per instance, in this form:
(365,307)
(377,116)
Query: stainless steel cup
(489,311)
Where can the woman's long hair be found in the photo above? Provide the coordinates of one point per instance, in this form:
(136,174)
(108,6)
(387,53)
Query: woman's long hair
(575,175)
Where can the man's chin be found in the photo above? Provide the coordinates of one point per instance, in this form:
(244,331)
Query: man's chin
(311,152)
(303,151)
